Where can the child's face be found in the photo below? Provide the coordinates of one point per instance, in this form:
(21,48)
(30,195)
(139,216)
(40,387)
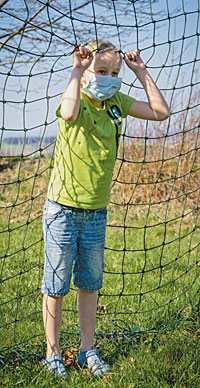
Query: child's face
(105,63)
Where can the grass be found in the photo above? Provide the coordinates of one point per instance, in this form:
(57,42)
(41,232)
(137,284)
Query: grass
(146,359)
(151,288)
(147,320)
(163,360)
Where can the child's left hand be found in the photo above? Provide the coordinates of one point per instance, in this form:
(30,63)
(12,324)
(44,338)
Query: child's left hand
(134,61)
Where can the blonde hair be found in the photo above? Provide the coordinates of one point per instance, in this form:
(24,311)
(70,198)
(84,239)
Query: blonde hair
(101,46)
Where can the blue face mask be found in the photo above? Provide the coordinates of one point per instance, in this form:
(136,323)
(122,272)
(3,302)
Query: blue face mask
(102,87)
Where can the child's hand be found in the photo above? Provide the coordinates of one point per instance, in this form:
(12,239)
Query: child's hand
(82,58)
(134,61)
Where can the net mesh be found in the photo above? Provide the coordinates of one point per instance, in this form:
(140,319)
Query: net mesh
(152,241)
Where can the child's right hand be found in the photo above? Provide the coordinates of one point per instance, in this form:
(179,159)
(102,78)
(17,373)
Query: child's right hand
(82,58)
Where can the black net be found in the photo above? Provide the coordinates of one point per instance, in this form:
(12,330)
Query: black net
(152,241)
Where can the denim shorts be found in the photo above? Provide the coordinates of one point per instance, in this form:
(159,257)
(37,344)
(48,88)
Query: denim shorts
(74,240)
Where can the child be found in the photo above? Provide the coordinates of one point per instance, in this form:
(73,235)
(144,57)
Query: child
(74,220)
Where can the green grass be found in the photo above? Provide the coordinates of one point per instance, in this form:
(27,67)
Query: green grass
(147,325)
(150,289)
(148,359)
(163,360)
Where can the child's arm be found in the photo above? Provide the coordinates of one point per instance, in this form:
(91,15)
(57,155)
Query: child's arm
(70,102)
(156,108)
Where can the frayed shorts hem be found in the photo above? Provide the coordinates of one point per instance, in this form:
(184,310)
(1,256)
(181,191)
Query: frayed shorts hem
(87,289)
(49,293)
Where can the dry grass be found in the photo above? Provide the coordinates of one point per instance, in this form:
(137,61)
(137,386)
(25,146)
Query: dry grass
(159,174)
(23,191)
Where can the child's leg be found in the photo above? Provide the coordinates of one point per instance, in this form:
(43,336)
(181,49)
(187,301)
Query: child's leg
(52,314)
(87,306)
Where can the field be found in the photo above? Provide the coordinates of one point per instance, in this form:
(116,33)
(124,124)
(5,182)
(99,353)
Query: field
(147,319)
